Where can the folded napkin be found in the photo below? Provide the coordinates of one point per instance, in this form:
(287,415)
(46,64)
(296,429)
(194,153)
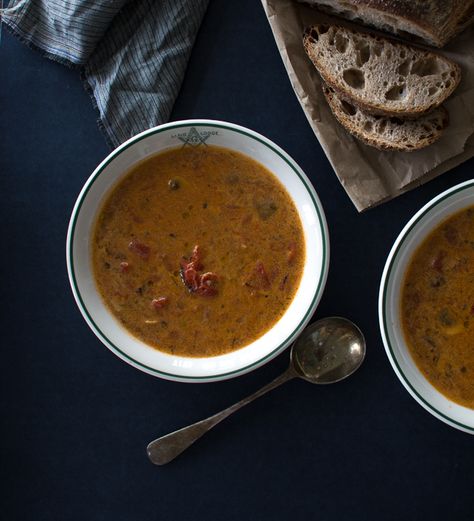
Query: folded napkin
(132,53)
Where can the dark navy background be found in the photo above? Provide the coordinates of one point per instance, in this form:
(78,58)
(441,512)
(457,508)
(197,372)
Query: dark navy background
(76,420)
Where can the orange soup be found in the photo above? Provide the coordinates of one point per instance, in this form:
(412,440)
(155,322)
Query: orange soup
(198,251)
(438,307)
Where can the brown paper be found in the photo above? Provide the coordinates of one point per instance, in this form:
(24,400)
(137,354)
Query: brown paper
(368,175)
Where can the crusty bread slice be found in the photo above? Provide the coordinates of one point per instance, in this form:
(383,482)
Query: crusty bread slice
(380,75)
(433,21)
(388,133)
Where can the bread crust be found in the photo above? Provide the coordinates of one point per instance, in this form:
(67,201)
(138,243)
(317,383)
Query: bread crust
(434,21)
(311,40)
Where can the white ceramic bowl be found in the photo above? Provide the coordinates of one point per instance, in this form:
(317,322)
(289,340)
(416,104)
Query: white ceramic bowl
(197,133)
(419,226)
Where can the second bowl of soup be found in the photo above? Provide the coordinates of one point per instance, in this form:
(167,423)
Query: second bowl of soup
(426,306)
(197,250)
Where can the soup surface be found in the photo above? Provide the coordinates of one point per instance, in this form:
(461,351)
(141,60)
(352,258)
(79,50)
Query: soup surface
(198,251)
(438,307)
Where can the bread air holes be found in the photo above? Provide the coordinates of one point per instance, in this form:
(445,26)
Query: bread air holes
(403,68)
(377,49)
(395,93)
(425,67)
(368,125)
(341,42)
(354,78)
(438,125)
(331,35)
(349,109)
(432,91)
(317,31)
(362,52)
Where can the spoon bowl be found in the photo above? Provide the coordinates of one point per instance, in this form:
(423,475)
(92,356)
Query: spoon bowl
(328,351)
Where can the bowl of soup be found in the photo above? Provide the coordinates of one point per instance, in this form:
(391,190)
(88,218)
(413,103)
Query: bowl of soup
(426,306)
(197,250)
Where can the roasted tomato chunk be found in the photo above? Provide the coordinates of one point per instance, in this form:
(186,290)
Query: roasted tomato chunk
(262,274)
(124,267)
(158,303)
(199,283)
(142,250)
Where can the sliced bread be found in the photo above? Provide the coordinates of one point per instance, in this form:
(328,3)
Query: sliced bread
(433,21)
(378,74)
(388,133)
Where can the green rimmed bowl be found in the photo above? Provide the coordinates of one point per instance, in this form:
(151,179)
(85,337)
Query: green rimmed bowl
(417,229)
(197,133)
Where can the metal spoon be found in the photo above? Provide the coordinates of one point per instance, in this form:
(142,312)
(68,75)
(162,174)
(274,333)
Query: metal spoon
(326,352)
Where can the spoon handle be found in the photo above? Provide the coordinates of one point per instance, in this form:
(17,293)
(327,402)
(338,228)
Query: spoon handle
(165,449)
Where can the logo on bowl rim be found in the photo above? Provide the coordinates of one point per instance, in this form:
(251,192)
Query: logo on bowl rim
(195,138)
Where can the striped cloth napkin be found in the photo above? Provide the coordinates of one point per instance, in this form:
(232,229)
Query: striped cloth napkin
(132,53)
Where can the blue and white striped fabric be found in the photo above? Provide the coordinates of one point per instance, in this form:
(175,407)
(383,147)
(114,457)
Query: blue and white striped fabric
(132,53)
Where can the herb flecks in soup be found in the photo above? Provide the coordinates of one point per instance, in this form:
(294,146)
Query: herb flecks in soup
(438,307)
(198,252)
